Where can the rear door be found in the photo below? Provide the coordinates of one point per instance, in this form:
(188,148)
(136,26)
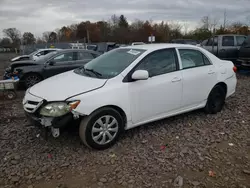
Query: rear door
(199,77)
(61,63)
(244,52)
(211,45)
(228,49)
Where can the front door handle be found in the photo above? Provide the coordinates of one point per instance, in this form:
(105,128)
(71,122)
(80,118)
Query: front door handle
(176,79)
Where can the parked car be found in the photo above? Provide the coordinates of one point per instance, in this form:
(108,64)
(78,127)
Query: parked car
(137,43)
(34,55)
(243,61)
(104,47)
(184,41)
(128,87)
(31,72)
(224,46)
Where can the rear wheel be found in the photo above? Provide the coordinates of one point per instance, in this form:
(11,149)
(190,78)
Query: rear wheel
(216,100)
(32,79)
(101,129)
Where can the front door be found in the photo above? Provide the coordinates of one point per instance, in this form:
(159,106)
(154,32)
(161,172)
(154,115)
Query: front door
(61,63)
(161,93)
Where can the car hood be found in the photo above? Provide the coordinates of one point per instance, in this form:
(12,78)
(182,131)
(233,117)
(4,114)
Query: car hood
(18,57)
(25,62)
(65,85)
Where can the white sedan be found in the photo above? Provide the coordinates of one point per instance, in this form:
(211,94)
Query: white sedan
(128,87)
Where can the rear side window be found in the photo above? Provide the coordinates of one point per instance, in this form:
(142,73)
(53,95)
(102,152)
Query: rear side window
(240,40)
(84,55)
(193,58)
(212,40)
(228,41)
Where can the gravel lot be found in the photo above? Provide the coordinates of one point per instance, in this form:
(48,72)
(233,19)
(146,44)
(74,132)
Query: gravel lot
(201,151)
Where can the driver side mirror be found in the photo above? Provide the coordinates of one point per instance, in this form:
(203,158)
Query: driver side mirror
(51,63)
(140,75)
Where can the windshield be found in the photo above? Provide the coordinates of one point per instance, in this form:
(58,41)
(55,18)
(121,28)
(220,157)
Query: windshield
(110,64)
(33,53)
(47,56)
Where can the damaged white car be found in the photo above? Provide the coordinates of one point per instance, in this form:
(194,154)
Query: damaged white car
(130,86)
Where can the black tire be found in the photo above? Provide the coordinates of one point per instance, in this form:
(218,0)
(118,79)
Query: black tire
(216,100)
(87,124)
(10,95)
(31,79)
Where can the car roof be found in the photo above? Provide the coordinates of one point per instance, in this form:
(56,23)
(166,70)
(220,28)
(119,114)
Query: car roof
(159,46)
(78,50)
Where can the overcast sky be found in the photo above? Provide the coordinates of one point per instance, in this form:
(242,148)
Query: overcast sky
(38,16)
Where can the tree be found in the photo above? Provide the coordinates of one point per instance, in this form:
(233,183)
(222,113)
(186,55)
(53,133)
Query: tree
(123,23)
(14,34)
(52,37)
(39,41)
(5,42)
(28,38)
(46,36)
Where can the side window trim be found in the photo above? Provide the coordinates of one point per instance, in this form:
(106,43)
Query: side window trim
(127,78)
(203,55)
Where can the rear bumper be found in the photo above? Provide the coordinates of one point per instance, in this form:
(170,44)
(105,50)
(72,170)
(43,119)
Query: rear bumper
(243,64)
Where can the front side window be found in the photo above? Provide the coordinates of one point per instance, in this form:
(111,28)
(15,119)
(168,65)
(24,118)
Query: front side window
(110,64)
(228,41)
(192,58)
(240,40)
(64,57)
(159,62)
(40,53)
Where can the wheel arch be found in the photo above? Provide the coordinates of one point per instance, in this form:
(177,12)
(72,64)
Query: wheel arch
(223,85)
(118,109)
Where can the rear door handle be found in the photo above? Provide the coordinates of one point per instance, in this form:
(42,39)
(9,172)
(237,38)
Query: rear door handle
(211,72)
(176,79)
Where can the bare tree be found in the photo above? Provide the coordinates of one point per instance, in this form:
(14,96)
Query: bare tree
(46,36)
(185,27)
(209,23)
(14,34)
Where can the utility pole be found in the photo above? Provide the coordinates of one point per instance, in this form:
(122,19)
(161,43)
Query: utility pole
(225,19)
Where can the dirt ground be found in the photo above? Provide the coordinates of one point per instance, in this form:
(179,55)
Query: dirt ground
(200,151)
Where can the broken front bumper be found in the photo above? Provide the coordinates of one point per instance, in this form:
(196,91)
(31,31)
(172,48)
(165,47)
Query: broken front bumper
(55,124)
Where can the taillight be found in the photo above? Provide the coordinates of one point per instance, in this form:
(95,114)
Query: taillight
(235,69)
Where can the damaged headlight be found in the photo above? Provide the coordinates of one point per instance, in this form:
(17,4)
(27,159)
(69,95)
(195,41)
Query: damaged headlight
(57,109)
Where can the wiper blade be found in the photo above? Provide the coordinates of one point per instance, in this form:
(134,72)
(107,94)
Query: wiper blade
(93,71)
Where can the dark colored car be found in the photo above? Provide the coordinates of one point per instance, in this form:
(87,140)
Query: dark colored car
(184,41)
(31,72)
(224,46)
(34,55)
(243,61)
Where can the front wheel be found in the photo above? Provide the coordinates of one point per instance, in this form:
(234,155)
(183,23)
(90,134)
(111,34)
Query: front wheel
(101,129)
(31,79)
(216,100)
